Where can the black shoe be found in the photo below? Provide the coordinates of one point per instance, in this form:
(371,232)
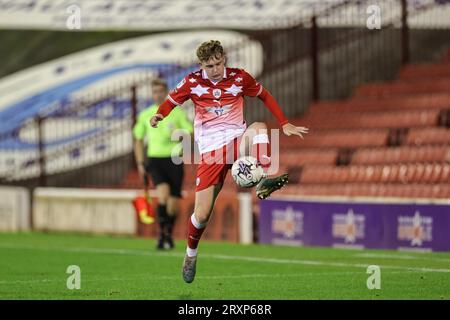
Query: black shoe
(160,244)
(268,185)
(169,243)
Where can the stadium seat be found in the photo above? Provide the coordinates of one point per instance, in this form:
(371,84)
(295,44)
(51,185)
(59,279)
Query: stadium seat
(308,156)
(382,119)
(428,136)
(355,104)
(337,138)
(419,86)
(410,190)
(425,71)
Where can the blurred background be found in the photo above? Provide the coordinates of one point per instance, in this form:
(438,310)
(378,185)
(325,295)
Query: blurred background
(371,79)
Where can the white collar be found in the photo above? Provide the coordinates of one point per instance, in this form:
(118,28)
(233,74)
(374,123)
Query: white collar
(205,76)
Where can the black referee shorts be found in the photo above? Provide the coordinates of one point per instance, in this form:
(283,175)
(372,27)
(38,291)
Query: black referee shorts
(163,170)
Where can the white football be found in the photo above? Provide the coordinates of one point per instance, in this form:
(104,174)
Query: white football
(247,172)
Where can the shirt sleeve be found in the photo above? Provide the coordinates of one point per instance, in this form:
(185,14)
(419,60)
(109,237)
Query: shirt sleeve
(252,88)
(273,107)
(181,93)
(139,129)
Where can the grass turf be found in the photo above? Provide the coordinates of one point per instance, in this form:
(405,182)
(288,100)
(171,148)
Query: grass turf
(33,266)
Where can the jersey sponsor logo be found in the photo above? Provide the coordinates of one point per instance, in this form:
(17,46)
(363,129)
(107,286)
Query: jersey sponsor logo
(217,93)
(219,110)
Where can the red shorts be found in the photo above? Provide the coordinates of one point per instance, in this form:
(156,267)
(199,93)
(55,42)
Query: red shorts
(214,165)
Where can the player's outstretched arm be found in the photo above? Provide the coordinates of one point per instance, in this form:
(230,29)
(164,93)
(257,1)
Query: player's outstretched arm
(290,129)
(163,111)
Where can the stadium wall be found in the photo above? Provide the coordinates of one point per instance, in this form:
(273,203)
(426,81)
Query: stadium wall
(84,210)
(110,211)
(14,209)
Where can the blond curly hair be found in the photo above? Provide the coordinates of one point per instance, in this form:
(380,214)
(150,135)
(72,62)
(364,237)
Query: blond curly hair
(210,49)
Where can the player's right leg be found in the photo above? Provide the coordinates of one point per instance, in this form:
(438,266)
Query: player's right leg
(204,203)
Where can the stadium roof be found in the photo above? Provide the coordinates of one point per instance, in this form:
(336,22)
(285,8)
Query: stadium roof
(182,14)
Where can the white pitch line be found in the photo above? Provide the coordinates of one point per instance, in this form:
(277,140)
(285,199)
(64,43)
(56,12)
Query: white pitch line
(324,263)
(400,257)
(224,257)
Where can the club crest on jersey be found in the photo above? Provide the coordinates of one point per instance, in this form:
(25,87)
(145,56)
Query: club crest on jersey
(217,93)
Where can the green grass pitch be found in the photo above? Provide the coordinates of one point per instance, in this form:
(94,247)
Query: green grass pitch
(33,266)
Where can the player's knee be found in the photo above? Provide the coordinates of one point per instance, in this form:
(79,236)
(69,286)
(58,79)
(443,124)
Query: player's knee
(201,214)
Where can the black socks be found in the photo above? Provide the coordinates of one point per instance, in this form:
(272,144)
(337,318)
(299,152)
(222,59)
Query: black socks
(162,219)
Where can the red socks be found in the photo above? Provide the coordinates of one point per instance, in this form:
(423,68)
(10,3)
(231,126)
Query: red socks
(195,231)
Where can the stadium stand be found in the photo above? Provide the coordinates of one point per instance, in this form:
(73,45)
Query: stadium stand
(417,104)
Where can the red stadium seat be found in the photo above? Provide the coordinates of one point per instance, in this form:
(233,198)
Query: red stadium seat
(404,103)
(417,71)
(428,136)
(375,120)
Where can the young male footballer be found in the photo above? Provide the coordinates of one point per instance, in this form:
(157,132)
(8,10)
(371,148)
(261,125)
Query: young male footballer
(219,127)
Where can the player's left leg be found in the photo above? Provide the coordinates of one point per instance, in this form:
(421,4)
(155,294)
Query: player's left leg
(256,143)
(211,173)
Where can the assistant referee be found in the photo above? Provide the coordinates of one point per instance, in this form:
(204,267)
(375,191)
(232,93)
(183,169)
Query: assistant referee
(166,175)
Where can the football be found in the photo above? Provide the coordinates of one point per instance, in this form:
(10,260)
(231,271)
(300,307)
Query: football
(247,171)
